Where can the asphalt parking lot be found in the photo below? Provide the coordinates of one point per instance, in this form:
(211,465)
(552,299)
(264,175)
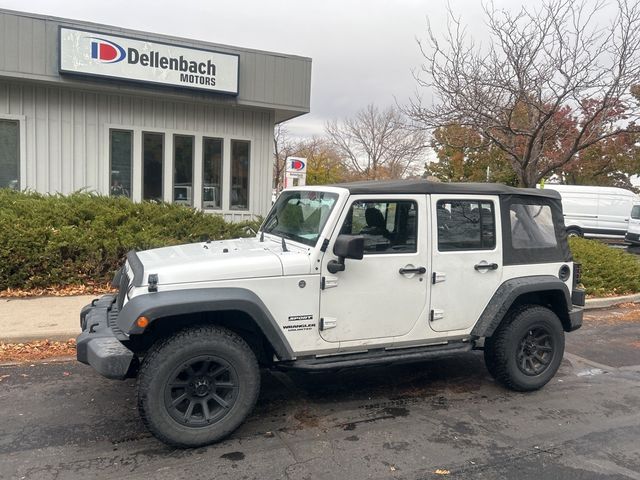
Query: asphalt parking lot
(444,419)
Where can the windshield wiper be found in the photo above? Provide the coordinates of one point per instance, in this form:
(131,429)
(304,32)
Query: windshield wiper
(282,242)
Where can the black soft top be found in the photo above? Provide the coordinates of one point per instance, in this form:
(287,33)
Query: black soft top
(419,186)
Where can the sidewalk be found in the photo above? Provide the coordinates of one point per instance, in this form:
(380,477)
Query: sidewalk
(39,318)
(58,318)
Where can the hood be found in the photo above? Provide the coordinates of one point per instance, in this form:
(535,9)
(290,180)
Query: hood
(223,260)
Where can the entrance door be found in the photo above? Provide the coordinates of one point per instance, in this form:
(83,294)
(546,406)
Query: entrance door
(467,259)
(385,293)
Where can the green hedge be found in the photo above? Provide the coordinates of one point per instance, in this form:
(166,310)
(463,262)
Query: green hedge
(56,240)
(605,270)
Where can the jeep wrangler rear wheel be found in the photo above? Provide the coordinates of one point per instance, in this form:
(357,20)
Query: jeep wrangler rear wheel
(197,386)
(526,350)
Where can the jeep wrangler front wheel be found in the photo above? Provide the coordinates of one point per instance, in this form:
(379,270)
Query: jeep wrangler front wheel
(526,350)
(197,386)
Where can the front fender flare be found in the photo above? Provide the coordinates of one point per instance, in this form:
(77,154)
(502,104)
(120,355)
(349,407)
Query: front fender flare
(509,292)
(180,302)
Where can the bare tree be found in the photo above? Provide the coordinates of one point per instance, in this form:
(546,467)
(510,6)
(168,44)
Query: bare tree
(550,83)
(378,143)
(283,146)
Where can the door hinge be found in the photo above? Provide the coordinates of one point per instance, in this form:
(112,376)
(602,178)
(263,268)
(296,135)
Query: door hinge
(328,322)
(325,245)
(438,277)
(436,315)
(328,282)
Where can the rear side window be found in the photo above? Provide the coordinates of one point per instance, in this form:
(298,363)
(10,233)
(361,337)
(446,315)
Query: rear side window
(532,226)
(533,229)
(465,225)
(635,212)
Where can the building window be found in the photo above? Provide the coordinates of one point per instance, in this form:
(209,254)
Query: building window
(183,169)
(152,165)
(240,174)
(465,225)
(10,154)
(212,173)
(120,151)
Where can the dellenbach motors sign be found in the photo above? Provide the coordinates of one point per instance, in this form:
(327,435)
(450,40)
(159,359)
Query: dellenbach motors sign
(91,53)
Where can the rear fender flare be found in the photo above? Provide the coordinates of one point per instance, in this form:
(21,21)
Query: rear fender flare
(508,293)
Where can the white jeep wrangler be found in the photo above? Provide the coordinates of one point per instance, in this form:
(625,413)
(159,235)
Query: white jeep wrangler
(339,276)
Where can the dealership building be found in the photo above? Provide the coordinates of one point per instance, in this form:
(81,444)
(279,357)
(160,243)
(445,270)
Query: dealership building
(147,116)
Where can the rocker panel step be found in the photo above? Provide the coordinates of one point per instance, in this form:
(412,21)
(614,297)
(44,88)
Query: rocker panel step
(377,357)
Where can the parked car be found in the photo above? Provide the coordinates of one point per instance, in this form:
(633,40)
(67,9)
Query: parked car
(633,234)
(340,276)
(595,211)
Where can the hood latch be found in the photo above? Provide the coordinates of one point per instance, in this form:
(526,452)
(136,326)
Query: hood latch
(153,282)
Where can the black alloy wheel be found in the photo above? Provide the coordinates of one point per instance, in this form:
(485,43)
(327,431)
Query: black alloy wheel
(201,391)
(535,351)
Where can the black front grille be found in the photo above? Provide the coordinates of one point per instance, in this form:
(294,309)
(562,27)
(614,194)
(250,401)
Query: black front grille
(112,320)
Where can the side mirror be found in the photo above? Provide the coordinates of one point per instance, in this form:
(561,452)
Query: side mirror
(349,246)
(346,246)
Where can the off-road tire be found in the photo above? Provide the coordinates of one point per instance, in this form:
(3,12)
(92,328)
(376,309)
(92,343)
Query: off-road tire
(193,347)
(518,343)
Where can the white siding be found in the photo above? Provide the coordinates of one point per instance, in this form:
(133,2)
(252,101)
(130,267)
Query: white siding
(66,142)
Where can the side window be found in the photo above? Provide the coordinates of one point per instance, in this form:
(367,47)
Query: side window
(121,156)
(465,225)
(387,226)
(10,154)
(532,226)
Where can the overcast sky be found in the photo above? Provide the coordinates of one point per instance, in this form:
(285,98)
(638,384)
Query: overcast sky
(363,51)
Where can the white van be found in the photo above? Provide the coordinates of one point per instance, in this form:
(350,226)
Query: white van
(595,210)
(633,234)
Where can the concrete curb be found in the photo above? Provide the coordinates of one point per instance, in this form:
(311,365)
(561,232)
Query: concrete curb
(66,331)
(594,303)
(34,337)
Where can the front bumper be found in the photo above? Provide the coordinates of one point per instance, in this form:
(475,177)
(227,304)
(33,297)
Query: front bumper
(99,345)
(633,238)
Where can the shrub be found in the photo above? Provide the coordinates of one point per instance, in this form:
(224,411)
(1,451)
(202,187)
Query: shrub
(606,270)
(56,240)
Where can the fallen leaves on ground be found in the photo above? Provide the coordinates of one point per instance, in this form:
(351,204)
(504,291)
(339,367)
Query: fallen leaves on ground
(620,314)
(57,291)
(442,471)
(39,350)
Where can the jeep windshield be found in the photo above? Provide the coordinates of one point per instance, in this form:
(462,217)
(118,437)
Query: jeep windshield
(300,215)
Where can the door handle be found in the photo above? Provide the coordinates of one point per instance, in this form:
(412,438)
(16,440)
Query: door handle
(418,270)
(486,266)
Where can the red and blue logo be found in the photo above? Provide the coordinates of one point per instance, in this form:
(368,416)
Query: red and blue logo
(106,51)
(297,164)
